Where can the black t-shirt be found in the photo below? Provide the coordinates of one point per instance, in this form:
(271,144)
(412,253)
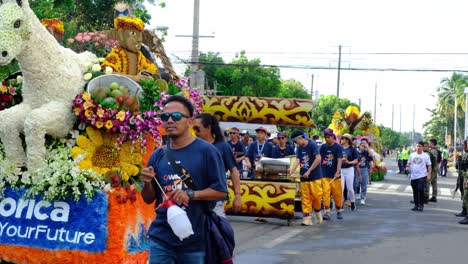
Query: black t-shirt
(349,154)
(364,159)
(306,156)
(330,156)
(205,166)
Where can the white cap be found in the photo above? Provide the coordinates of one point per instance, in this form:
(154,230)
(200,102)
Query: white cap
(273,135)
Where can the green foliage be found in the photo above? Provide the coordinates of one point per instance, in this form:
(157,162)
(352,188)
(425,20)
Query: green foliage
(325,108)
(150,93)
(241,77)
(7,70)
(293,89)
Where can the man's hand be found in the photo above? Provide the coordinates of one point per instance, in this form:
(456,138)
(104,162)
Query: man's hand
(237,206)
(179,196)
(306,174)
(147,175)
(337,175)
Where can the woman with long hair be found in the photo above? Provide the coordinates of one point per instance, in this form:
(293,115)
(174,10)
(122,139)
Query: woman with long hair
(350,159)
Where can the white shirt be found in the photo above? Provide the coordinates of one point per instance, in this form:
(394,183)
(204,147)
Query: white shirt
(418,165)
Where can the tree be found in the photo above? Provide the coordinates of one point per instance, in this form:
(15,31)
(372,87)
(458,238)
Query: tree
(326,106)
(293,89)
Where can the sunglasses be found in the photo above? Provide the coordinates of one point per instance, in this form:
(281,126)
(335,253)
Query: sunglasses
(176,116)
(281,137)
(232,133)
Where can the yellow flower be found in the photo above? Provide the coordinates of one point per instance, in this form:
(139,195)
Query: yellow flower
(99,124)
(109,124)
(3,89)
(120,116)
(100,112)
(88,113)
(86,96)
(87,104)
(101,155)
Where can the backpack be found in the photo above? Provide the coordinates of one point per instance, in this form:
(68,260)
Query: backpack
(439,156)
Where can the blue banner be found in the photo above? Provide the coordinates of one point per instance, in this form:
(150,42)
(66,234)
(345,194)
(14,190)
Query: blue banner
(66,225)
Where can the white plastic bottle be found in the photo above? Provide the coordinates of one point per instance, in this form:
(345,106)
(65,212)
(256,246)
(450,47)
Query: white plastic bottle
(178,220)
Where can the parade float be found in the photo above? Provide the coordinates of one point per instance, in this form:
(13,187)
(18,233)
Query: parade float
(75,132)
(362,127)
(272,192)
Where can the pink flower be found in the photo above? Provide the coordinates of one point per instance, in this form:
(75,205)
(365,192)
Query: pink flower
(79,37)
(12,90)
(87,38)
(103,36)
(70,40)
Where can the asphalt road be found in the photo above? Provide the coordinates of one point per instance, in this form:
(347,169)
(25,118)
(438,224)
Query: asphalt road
(384,230)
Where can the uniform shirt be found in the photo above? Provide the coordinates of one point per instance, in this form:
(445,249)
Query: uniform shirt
(205,166)
(306,156)
(237,148)
(281,153)
(255,151)
(349,154)
(226,154)
(364,159)
(418,165)
(330,156)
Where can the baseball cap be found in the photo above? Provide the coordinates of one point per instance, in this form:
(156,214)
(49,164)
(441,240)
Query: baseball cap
(273,135)
(244,132)
(261,128)
(282,134)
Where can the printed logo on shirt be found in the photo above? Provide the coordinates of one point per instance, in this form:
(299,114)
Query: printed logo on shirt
(417,160)
(305,161)
(328,160)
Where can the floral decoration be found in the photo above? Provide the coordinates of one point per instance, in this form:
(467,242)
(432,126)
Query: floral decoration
(129,23)
(378,173)
(98,152)
(54,24)
(10,92)
(96,43)
(182,88)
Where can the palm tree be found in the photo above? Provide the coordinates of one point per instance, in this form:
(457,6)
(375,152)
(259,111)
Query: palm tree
(451,89)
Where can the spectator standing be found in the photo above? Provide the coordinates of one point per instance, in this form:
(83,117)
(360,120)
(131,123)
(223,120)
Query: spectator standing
(259,148)
(462,182)
(443,164)
(419,164)
(435,169)
(207,173)
(364,164)
(239,150)
(350,159)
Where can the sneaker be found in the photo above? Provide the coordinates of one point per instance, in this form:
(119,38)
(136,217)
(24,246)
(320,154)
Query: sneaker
(339,215)
(363,201)
(353,206)
(307,221)
(358,198)
(319,218)
(464,221)
(415,208)
(463,213)
(433,200)
(326,217)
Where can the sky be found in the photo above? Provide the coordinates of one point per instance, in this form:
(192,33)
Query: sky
(306,33)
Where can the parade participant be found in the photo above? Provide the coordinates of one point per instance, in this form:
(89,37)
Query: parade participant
(245,138)
(317,141)
(443,164)
(419,163)
(364,165)
(127,59)
(331,154)
(405,155)
(462,181)
(311,184)
(401,168)
(273,139)
(350,159)
(435,169)
(427,149)
(207,128)
(283,149)
(205,166)
(238,149)
(259,148)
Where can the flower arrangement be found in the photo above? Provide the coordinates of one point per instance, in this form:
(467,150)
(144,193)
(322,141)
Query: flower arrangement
(10,92)
(54,24)
(129,23)
(182,87)
(378,173)
(96,43)
(58,178)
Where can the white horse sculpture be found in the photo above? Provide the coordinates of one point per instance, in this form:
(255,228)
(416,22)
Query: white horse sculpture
(52,78)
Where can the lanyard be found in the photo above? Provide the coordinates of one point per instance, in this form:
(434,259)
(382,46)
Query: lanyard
(260,150)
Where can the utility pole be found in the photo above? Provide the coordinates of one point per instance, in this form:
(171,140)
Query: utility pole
(195,40)
(375,104)
(339,69)
(392,114)
(400,118)
(312,87)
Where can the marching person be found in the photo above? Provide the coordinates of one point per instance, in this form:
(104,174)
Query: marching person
(443,164)
(259,148)
(205,166)
(435,169)
(311,184)
(462,181)
(419,164)
(239,151)
(283,149)
(207,128)
(350,159)
(331,154)
(364,164)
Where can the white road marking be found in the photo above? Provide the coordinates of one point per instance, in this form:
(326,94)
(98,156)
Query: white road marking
(445,192)
(393,187)
(408,189)
(282,238)
(375,185)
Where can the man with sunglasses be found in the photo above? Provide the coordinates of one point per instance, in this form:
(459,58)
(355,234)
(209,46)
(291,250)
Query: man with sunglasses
(203,163)
(283,149)
(239,150)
